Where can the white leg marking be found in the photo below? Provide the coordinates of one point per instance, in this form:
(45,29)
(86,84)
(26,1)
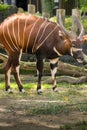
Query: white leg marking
(39,91)
(9,90)
(23,91)
(55,89)
(17,70)
(53,61)
(8,74)
(53,72)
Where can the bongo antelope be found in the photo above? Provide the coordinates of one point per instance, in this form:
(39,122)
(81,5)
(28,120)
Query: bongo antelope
(26,33)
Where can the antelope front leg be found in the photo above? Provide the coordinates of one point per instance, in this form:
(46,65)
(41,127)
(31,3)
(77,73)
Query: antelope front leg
(39,73)
(53,66)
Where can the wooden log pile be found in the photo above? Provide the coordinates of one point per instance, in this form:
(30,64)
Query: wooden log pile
(66,72)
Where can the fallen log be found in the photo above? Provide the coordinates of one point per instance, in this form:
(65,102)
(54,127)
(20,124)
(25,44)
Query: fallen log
(72,80)
(70,73)
(63,69)
(68,79)
(3,57)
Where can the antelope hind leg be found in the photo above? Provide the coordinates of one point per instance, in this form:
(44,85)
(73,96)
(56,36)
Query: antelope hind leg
(7,77)
(39,73)
(17,78)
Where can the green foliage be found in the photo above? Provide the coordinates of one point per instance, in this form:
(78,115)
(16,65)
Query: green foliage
(47,6)
(78,126)
(7,10)
(83,3)
(4,7)
(68,22)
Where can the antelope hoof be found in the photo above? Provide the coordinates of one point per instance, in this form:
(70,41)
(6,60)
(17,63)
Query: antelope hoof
(9,91)
(39,91)
(55,89)
(22,91)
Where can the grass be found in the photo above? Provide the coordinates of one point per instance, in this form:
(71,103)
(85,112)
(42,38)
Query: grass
(78,126)
(70,98)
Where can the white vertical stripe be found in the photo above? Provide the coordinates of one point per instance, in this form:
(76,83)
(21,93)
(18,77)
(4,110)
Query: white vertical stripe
(25,26)
(14,33)
(38,33)
(46,38)
(58,53)
(7,40)
(18,32)
(31,32)
(44,30)
(11,37)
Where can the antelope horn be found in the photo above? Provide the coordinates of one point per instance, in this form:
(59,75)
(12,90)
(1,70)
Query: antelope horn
(71,35)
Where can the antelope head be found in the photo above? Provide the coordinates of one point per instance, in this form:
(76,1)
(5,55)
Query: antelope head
(75,41)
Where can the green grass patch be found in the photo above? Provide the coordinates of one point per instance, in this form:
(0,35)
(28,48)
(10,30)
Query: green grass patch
(81,125)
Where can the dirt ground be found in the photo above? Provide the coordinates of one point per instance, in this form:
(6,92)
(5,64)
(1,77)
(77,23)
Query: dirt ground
(15,111)
(14,116)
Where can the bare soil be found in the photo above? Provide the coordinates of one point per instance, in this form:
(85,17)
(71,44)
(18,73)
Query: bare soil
(16,109)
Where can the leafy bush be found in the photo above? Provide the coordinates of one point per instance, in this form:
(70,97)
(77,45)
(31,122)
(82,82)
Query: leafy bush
(6,10)
(4,7)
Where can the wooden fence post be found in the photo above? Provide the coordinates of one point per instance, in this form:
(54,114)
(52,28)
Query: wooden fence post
(75,14)
(31,8)
(1,2)
(62,12)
